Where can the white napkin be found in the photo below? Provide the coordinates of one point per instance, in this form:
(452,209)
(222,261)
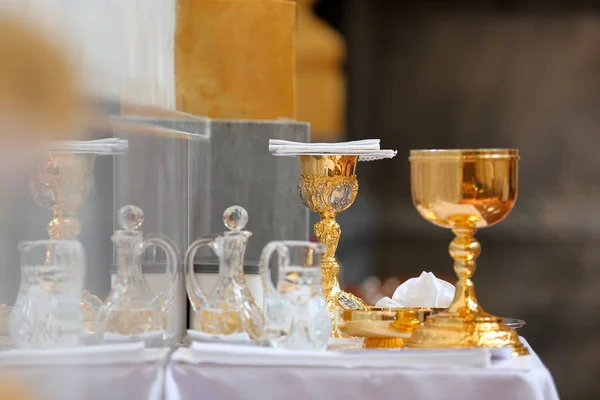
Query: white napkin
(223,354)
(357,145)
(101,354)
(151,338)
(101,146)
(424,291)
(110,337)
(367,150)
(205,337)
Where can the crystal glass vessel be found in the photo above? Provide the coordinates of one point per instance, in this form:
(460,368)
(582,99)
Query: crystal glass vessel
(46,313)
(230,311)
(132,311)
(296,312)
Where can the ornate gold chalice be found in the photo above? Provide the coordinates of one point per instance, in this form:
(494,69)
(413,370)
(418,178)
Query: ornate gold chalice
(328,185)
(62,183)
(465,190)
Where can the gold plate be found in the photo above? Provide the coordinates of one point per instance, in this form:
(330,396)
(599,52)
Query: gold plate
(382,327)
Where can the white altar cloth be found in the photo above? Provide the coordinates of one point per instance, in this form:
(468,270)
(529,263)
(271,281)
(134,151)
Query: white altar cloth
(94,378)
(524,378)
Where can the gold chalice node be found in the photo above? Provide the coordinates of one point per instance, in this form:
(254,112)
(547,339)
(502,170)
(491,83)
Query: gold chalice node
(328,185)
(465,190)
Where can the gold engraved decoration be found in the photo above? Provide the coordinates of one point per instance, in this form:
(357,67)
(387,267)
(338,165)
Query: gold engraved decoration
(328,185)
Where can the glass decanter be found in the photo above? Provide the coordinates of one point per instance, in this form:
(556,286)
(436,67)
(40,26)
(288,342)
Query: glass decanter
(132,311)
(230,311)
(295,310)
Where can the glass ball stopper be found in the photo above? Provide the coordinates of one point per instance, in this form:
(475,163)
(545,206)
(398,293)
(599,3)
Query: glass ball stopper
(235,218)
(131,217)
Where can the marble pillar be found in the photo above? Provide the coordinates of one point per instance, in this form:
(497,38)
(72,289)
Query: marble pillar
(236,59)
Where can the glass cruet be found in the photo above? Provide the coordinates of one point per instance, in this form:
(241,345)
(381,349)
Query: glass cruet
(131,310)
(46,313)
(295,310)
(230,311)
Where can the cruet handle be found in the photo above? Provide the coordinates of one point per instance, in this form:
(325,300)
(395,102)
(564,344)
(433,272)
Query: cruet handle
(195,294)
(265,269)
(172,269)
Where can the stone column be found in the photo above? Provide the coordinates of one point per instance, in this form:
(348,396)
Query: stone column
(236,59)
(321,81)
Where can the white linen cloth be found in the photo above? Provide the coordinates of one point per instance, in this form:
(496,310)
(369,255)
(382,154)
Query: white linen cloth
(224,354)
(237,338)
(525,378)
(154,339)
(367,150)
(424,291)
(90,355)
(111,371)
(100,146)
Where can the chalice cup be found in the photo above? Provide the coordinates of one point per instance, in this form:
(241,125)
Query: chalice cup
(62,183)
(328,185)
(465,190)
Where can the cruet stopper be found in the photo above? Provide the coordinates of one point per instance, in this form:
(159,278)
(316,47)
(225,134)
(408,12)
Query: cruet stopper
(130,217)
(235,218)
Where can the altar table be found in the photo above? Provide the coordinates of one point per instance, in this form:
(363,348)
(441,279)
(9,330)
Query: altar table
(523,378)
(164,374)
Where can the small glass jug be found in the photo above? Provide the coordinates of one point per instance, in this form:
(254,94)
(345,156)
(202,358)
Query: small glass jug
(295,310)
(230,311)
(46,313)
(132,311)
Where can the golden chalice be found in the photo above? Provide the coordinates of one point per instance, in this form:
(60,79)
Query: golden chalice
(328,186)
(62,183)
(465,190)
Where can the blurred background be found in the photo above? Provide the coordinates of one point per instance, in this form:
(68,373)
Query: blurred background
(416,74)
(469,74)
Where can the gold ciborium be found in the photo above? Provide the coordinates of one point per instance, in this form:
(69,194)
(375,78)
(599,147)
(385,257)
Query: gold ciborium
(328,185)
(62,183)
(465,190)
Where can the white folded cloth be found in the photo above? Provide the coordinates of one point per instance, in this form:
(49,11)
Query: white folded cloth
(424,291)
(156,338)
(110,337)
(224,354)
(100,354)
(200,336)
(357,145)
(101,146)
(367,150)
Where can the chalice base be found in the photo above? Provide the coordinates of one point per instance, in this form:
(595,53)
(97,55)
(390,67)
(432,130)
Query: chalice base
(450,330)
(384,343)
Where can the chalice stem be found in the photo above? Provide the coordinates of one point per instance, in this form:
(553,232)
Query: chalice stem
(464,249)
(328,233)
(53,233)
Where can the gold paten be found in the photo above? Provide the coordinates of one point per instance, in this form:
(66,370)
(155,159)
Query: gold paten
(328,186)
(465,190)
(382,327)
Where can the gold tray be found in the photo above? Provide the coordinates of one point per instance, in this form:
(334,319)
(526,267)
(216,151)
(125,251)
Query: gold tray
(382,327)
